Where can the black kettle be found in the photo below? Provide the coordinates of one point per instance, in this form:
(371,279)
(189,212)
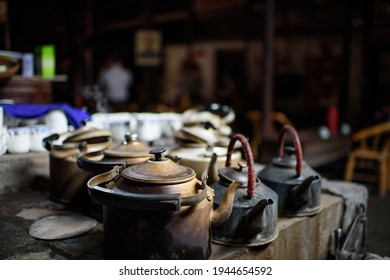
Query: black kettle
(255,208)
(297,184)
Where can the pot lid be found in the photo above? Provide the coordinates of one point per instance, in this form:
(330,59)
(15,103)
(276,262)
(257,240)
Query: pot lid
(288,160)
(159,170)
(198,152)
(229,174)
(87,134)
(61,226)
(199,134)
(131,147)
(282,170)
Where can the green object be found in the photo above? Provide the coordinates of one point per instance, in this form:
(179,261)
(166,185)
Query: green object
(48,65)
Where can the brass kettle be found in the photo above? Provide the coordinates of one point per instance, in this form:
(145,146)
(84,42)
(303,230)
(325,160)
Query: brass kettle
(158,209)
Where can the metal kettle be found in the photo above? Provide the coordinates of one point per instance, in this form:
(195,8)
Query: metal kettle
(67,180)
(158,209)
(129,152)
(255,208)
(297,184)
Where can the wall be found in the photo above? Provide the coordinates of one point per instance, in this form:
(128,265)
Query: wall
(298,57)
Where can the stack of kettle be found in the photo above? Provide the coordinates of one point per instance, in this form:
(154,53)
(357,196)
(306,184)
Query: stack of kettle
(198,148)
(203,139)
(163,208)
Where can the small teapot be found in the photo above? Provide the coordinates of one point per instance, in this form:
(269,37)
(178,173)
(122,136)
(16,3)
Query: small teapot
(297,185)
(255,208)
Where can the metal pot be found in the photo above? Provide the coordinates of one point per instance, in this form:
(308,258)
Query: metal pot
(130,152)
(157,210)
(67,180)
(197,144)
(200,158)
(297,184)
(255,208)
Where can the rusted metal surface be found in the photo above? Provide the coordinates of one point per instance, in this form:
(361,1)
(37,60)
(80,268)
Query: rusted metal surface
(183,234)
(159,210)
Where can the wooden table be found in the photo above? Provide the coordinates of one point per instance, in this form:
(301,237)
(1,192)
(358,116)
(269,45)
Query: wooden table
(316,151)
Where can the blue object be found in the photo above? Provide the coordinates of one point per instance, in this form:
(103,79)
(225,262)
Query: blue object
(27,111)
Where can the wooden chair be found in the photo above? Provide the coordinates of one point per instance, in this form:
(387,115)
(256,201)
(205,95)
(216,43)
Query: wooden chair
(369,158)
(254,116)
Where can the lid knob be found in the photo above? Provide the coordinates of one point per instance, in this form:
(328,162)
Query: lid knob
(242,165)
(289,150)
(157,152)
(130,137)
(207,125)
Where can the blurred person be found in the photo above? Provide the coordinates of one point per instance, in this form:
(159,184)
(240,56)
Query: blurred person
(115,81)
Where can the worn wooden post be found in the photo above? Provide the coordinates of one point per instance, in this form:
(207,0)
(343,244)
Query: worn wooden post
(268,44)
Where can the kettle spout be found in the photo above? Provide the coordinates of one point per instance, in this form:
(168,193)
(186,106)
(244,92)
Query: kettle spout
(213,170)
(175,159)
(301,194)
(255,221)
(224,210)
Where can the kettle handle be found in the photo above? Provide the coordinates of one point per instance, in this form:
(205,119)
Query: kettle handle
(47,141)
(297,146)
(249,159)
(171,202)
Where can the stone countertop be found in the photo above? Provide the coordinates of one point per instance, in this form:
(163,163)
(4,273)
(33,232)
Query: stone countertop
(20,206)
(299,238)
(18,211)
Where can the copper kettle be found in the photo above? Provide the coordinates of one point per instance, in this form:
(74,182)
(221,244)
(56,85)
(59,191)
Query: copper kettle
(158,209)
(297,184)
(255,208)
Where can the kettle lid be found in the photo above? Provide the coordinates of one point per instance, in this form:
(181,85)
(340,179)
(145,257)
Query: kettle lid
(228,174)
(159,170)
(130,147)
(88,134)
(288,159)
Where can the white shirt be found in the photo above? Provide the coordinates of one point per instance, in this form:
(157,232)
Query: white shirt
(115,82)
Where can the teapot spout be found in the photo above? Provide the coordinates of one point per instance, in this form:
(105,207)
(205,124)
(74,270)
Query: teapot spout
(213,170)
(301,194)
(224,210)
(175,159)
(255,221)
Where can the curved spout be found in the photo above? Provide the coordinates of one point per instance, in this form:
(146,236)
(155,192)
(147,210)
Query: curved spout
(224,210)
(175,159)
(255,221)
(213,170)
(301,194)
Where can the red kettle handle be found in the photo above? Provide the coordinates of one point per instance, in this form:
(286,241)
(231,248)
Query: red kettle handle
(249,160)
(297,146)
